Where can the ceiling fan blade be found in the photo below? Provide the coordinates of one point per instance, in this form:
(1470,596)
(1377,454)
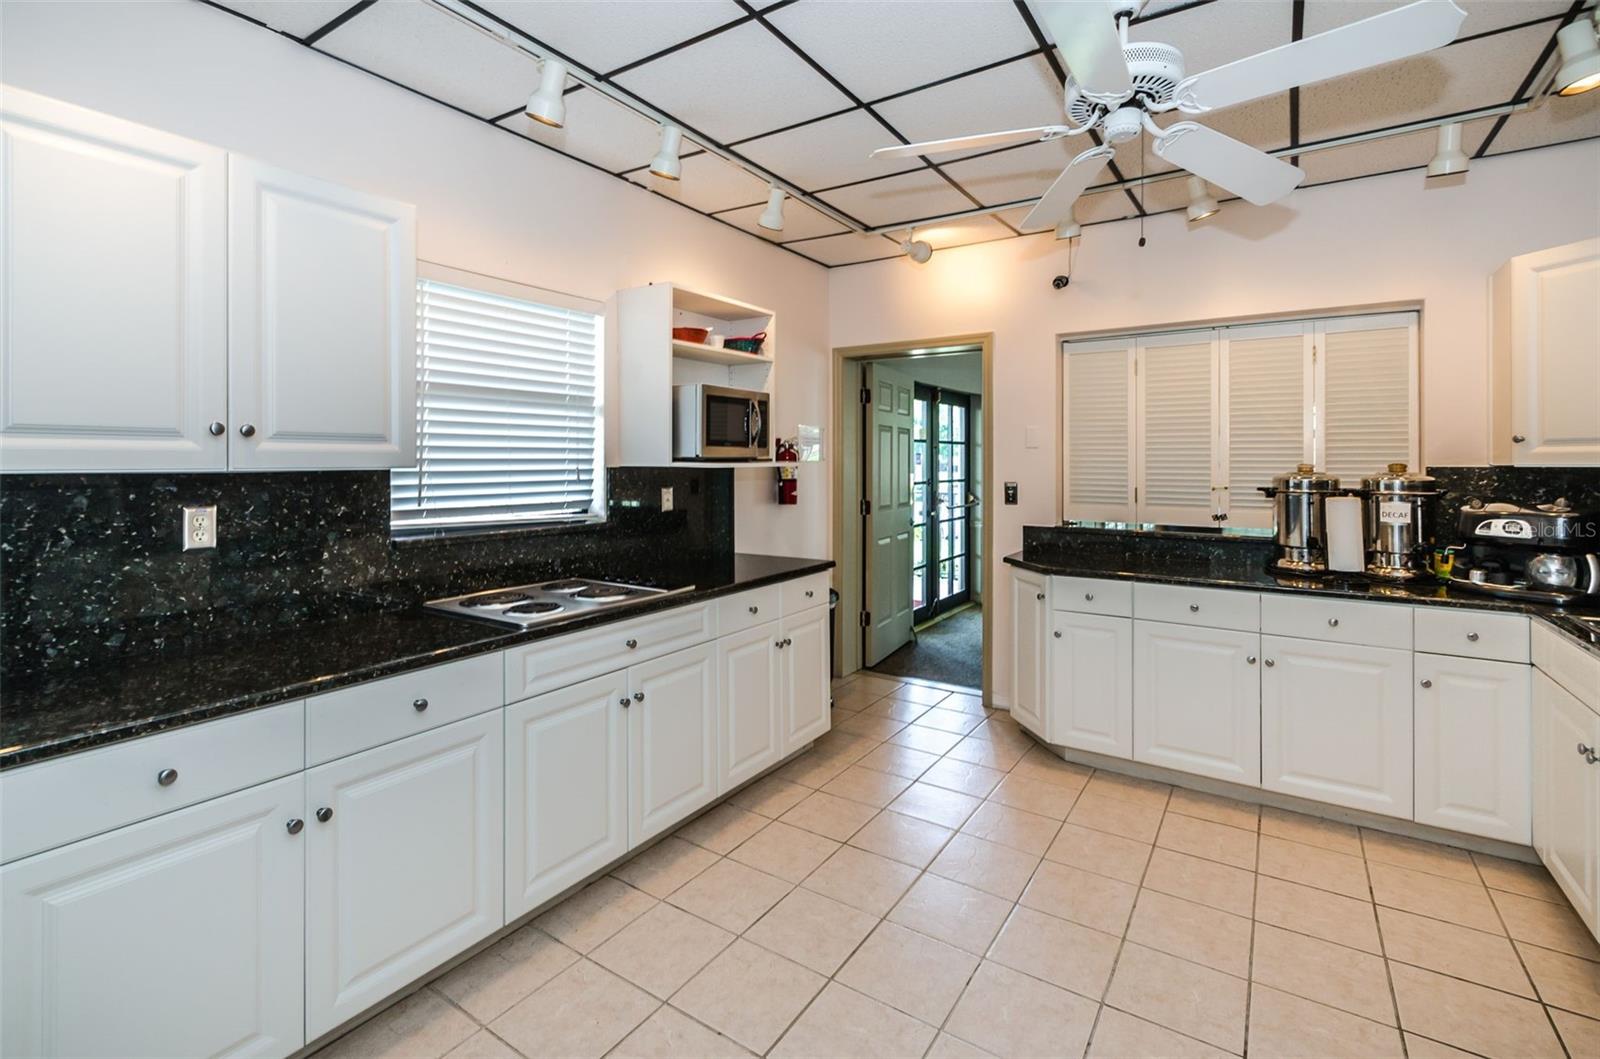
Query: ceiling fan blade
(961,143)
(1057,202)
(1085,33)
(1227,163)
(1405,31)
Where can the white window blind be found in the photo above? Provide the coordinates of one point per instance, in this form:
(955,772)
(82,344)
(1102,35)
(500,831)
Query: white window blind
(1176,428)
(1098,409)
(1367,394)
(1267,413)
(507,409)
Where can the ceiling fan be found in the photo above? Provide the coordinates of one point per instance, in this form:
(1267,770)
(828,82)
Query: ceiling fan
(1117,87)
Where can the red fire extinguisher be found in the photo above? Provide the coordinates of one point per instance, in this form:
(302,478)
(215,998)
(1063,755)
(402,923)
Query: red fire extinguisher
(788,471)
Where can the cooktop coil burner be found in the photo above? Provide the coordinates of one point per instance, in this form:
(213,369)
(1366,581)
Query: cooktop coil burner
(569,585)
(606,592)
(494,599)
(537,606)
(565,599)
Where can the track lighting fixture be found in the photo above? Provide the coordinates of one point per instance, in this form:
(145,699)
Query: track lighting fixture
(1580,57)
(916,249)
(548,106)
(665,164)
(1448,158)
(1201,204)
(1070,228)
(772,217)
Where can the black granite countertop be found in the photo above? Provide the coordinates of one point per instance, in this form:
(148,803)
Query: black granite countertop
(49,717)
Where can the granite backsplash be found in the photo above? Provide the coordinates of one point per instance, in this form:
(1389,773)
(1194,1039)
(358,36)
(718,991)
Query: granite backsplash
(1524,485)
(91,572)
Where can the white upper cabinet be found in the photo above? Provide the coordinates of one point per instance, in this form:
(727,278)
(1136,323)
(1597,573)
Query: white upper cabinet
(1176,418)
(1545,337)
(322,309)
(1097,410)
(113,277)
(1265,415)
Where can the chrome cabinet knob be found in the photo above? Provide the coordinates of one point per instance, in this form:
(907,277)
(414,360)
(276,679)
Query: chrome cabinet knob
(167,777)
(753,610)
(324,814)
(1194,608)
(788,642)
(1250,660)
(1427,683)
(1089,596)
(295,825)
(1057,634)
(419,704)
(1333,623)
(1519,438)
(632,644)
(624,701)
(777,644)
(1472,637)
(1270,663)
(1039,596)
(216,428)
(247,431)
(638,696)
(810,593)
(1588,753)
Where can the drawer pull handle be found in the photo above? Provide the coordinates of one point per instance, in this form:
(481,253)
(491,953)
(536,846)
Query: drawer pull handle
(295,825)
(419,704)
(1333,623)
(632,644)
(1472,637)
(167,777)
(1089,596)
(324,814)
(754,610)
(1427,683)
(1057,634)
(638,696)
(1039,596)
(1270,663)
(1194,608)
(1250,660)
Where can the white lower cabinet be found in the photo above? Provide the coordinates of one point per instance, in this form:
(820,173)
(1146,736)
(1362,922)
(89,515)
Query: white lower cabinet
(179,936)
(403,863)
(1336,723)
(1030,621)
(1472,764)
(566,788)
(1090,705)
(806,679)
(672,739)
(749,680)
(1566,826)
(1197,700)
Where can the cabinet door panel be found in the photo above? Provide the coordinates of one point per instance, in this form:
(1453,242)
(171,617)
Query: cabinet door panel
(113,276)
(1555,375)
(672,739)
(1472,753)
(750,736)
(322,323)
(1197,700)
(1091,683)
(1336,723)
(806,679)
(1030,611)
(566,788)
(180,936)
(407,872)
(1568,822)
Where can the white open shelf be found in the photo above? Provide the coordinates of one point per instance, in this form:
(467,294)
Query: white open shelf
(717,354)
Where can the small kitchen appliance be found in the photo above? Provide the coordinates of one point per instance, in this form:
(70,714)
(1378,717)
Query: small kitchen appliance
(524,606)
(1539,552)
(1398,504)
(1299,518)
(720,423)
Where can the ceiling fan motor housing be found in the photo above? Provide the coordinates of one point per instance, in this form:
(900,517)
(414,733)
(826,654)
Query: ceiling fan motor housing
(1155,70)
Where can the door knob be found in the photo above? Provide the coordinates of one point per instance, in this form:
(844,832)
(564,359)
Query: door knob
(216,428)
(247,431)
(324,814)
(419,704)
(294,825)
(638,696)
(1427,683)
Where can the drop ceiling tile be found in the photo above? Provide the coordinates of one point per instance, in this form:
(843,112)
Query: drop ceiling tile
(1478,73)
(799,222)
(1018,173)
(878,47)
(598,130)
(1482,15)
(741,83)
(1557,121)
(1384,156)
(907,197)
(423,48)
(848,248)
(708,184)
(297,19)
(829,152)
(604,36)
(1214,34)
(964,231)
(1014,96)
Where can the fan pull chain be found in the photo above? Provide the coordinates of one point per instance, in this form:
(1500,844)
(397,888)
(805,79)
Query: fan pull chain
(1141,187)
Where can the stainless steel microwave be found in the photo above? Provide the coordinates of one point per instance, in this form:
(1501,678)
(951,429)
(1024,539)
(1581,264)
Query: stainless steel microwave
(720,423)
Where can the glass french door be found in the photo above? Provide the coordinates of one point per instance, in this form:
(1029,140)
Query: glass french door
(942,501)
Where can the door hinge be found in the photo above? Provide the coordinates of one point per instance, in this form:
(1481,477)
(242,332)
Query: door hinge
(866,507)
(866,619)
(866,395)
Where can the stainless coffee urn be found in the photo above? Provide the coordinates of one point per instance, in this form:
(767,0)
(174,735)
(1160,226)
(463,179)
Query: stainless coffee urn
(1298,518)
(1397,522)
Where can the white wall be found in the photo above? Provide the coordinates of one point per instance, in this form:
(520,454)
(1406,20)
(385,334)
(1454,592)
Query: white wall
(486,200)
(1369,242)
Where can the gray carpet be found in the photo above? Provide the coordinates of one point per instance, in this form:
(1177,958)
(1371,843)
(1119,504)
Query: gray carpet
(949,651)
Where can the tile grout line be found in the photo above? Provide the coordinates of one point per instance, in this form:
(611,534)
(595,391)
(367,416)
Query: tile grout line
(1522,963)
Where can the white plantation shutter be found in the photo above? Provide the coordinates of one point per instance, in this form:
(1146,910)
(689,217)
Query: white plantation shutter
(1267,417)
(1366,403)
(1176,427)
(1098,416)
(507,394)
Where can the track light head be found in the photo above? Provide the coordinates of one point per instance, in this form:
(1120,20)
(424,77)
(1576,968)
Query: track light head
(772,217)
(548,105)
(1201,204)
(1448,158)
(918,250)
(666,164)
(1580,58)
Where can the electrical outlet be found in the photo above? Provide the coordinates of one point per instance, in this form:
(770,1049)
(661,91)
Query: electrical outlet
(666,498)
(199,527)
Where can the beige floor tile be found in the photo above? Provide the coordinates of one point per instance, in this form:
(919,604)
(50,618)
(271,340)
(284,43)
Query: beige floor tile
(1011,1014)
(856,697)
(662,949)
(965,703)
(987,752)
(1418,1047)
(843,745)
(910,972)
(953,721)
(902,838)
(876,682)
(1206,881)
(812,930)
(862,880)
(482,1045)
(1015,828)
(898,760)
(730,894)
(722,828)
(1071,893)
(1581,1034)
(510,969)
(1469,1016)
(594,913)
(921,693)
(935,805)
(1529,880)
(1192,931)
(1564,981)
(1435,896)
(667,865)
(1313,866)
(1213,807)
(1311,830)
(1043,765)
(1000,728)
(1035,796)
(1117,816)
(1203,838)
(963,776)
(583,1011)
(1284,1026)
(1340,977)
(843,1022)
(670,1034)
(1487,959)
(749,994)
(896,710)
(788,852)
(989,866)
(1546,925)
(1062,953)
(422,1026)
(928,740)
(1100,852)
(876,727)
(948,1047)
(1384,848)
(811,770)
(770,797)
(1319,913)
(1119,1035)
(1132,788)
(951,912)
(829,815)
(1193,1000)
(868,786)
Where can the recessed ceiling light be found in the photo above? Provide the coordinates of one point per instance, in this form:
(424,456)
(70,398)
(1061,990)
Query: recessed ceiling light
(1448,158)
(772,217)
(1580,58)
(547,106)
(916,249)
(665,164)
(1201,204)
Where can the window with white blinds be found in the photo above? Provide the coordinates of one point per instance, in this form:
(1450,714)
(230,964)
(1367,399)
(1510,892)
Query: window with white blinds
(508,426)
(1366,372)
(1176,427)
(1267,400)
(1098,410)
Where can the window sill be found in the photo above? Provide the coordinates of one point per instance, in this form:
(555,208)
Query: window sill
(496,530)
